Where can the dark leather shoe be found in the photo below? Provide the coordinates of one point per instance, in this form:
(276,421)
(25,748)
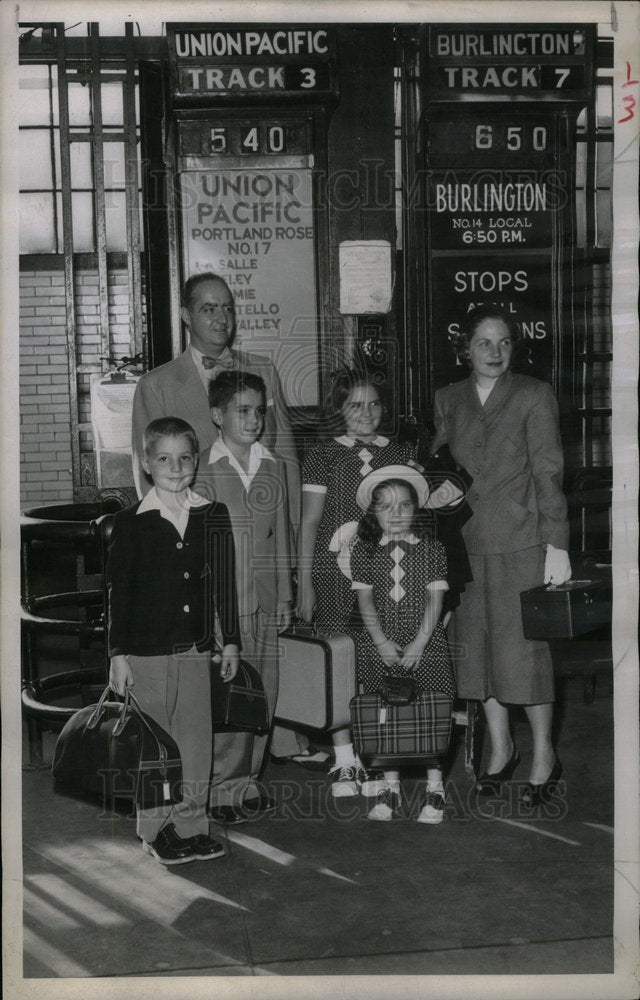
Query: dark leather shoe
(310,758)
(168,848)
(537,795)
(252,808)
(205,848)
(491,784)
(226,815)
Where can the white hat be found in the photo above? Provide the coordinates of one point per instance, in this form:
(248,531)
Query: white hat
(405,472)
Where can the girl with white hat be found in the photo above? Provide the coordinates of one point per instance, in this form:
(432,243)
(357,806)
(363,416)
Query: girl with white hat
(399,573)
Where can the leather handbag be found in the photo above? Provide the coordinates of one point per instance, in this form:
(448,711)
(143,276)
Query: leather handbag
(239,705)
(115,749)
(398,689)
(393,734)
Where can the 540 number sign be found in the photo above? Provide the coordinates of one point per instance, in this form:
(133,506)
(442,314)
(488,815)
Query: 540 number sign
(256,138)
(226,136)
(250,139)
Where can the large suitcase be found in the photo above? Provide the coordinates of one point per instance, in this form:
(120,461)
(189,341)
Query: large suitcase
(566,610)
(317,678)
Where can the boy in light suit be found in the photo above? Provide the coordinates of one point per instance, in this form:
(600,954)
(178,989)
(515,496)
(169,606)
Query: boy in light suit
(242,473)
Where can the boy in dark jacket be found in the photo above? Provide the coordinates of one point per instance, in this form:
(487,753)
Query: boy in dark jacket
(171,567)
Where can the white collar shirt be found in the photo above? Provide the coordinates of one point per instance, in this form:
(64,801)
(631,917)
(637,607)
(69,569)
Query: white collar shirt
(153,502)
(257,453)
(410,538)
(484,393)
(379,440)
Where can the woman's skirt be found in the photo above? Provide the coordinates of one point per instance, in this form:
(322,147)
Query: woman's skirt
(491,657)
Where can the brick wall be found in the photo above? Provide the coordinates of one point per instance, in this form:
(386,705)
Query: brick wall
(45,417)
(45,434)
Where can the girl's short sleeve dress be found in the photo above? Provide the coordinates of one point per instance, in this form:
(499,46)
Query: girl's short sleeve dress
(399,573)
(336,469)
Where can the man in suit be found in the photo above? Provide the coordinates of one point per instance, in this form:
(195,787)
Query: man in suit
(179,388)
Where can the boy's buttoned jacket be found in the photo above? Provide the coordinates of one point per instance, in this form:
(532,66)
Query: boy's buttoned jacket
(164,589)
(261,530)
(511,447)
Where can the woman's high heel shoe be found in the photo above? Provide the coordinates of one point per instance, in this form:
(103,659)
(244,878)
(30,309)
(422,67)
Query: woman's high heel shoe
(536,795)
(491,784)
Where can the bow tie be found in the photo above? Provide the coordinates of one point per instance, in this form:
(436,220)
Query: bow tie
(225,360)
(403,543)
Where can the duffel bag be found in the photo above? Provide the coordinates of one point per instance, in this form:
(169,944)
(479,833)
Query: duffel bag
(115,749)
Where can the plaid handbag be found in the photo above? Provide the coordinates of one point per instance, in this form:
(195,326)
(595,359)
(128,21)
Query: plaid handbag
(387,733)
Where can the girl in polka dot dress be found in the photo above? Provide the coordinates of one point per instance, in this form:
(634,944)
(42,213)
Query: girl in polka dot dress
(331,475)
(399,574)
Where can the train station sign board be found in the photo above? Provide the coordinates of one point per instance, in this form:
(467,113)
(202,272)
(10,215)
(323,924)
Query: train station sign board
(520,285)
(496,61)
(247,62)
(494,179)
(255,228)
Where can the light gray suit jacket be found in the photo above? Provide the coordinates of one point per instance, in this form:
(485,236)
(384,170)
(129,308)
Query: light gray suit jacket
(175,389)
(261,531)
(511,447)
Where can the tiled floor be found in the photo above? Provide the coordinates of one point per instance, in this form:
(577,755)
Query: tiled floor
(316,889)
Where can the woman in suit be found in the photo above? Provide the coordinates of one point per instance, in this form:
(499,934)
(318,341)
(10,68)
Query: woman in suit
(503,429)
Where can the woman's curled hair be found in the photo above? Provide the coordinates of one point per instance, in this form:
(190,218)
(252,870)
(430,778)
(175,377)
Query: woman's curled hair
(462,339)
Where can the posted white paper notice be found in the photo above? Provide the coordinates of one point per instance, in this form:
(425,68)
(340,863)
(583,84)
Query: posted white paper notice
(366,276)
(111,410)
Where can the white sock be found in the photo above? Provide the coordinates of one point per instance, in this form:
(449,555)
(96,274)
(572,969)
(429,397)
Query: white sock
(392,778)
(435,785)
(345,756)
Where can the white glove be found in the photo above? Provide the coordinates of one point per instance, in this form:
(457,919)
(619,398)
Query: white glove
(557,568)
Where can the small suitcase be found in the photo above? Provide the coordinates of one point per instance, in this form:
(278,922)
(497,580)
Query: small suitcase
(566,610)
(396,735)
(317,678)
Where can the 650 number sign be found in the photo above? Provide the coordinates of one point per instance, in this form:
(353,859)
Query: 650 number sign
(510,138)
(513,138)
